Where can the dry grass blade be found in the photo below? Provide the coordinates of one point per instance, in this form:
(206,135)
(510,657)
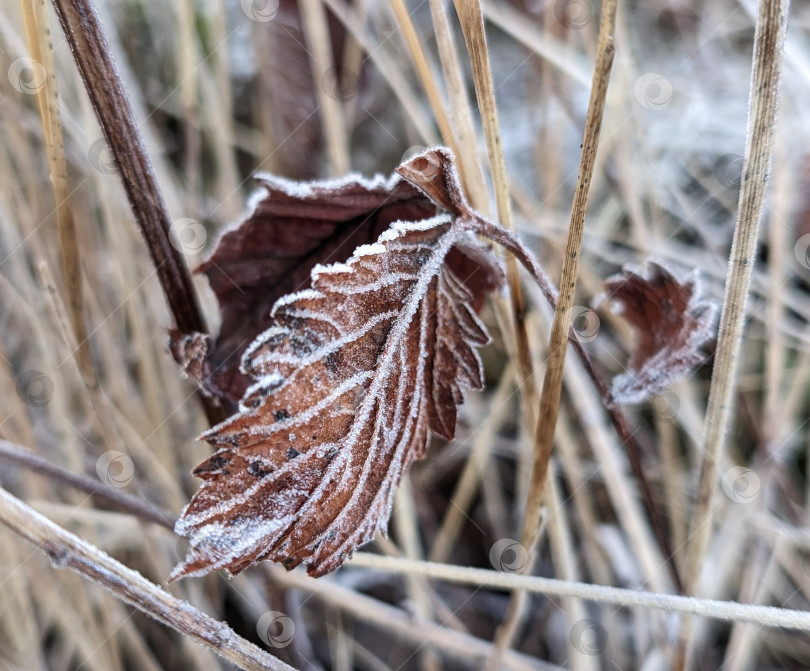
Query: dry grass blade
(771,26)
(472,25)
(425,76)
(543,43)
(316,31)
(455,645)
(460,113)
(558,341)
(67,551)
(39,41)
(389,69)
(724,610)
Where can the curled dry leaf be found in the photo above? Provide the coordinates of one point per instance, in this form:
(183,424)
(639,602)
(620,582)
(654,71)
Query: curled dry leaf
(189,351)
(672,321)
(352,377)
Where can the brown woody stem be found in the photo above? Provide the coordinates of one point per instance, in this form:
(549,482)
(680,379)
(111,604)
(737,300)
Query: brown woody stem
(82,28)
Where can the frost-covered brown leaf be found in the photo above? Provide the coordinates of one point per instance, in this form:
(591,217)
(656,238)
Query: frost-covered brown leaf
(672,321)
(291,227)
(352,377)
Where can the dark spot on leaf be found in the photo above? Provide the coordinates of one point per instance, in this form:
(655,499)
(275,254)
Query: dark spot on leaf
(232,440)
(214,464)
(293,322)
(292,453)
(332,362)
(258,470)
(280,415)
(422,256)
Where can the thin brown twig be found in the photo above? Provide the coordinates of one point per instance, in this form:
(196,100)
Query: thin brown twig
(135,505)
(82,28)
(69,551)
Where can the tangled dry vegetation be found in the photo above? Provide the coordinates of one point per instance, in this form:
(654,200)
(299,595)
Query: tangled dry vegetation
(99,435)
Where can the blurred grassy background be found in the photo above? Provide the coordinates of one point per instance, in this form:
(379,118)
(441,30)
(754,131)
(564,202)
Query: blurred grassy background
(222,89)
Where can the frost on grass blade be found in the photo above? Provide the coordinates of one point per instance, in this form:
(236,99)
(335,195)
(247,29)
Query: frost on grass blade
(672,322)
(351,380)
